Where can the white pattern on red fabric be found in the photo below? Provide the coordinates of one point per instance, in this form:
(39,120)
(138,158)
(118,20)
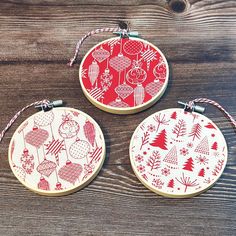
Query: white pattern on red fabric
(138,63)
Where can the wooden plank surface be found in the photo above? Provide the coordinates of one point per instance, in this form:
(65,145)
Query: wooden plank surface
(36,40)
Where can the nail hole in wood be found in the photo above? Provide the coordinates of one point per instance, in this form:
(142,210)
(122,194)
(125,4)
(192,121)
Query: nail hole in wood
(178,6)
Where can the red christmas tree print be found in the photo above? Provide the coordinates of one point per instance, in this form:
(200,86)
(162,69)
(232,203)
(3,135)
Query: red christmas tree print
(180,128)
(201,172)
(210,126)
(189,164)
(214,146)
(171,184)
(160,140)
(196,131)
(171,156)
(203,146)
(154,160)
(173,115)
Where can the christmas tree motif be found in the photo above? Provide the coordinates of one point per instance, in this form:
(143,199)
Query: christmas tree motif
(203,146)
(171,184)
(180,129)
(214,146)
(154,160)
(210,126)
(201,172)
(160,140)
(196,131)
(173,115)
(189,164)
(171,157)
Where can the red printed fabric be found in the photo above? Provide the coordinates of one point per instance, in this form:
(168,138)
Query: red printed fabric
(177,153)
(123,73)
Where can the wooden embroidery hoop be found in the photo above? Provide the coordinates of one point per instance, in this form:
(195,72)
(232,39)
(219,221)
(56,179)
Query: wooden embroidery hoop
(166,193)
(77,186)
(128,110)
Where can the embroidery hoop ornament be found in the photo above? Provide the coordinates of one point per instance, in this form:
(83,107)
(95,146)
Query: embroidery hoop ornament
(134,79)
(39,148)
(183,166)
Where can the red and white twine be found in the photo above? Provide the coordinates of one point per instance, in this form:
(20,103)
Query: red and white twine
(96,31)
(42,103)
(212,102)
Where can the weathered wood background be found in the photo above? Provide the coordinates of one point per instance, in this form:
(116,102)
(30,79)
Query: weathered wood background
(36,40)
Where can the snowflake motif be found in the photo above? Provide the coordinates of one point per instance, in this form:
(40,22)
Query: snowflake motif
(151,128)
(157,183)
(165,171)
(141,168)
(139,158)
(27,162)
(106,81)
(189,145)
(184,151)
(202,160)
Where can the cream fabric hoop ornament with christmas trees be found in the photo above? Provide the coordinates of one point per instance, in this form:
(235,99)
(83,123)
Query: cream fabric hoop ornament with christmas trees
(57,152)
(177,153)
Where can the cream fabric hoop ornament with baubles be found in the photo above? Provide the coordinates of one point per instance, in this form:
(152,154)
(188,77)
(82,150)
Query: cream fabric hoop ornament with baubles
(122,75)
(179,153)
(56,152)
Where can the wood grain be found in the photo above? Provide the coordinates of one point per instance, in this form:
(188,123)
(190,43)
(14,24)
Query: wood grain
(38,38)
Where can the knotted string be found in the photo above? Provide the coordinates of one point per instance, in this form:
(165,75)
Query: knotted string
(123,32)
(43,103)
(212,102)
